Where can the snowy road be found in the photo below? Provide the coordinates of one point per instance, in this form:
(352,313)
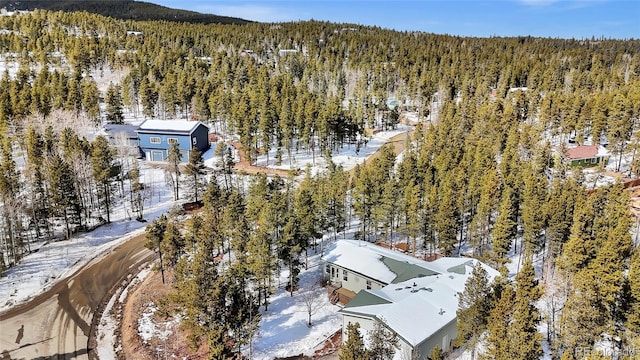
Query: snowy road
(57,323)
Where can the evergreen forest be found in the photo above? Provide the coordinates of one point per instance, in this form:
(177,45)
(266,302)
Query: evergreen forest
(478,176)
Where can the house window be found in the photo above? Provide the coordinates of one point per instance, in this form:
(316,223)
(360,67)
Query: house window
(155,140)
(172,140)
(332,272)
(594,160)
(368,284)
(344,275)
(194,140)
(327,268)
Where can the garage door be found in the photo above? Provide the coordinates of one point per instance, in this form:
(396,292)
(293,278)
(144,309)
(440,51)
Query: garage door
(157,155)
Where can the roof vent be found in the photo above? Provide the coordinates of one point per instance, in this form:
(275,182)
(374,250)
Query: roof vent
(398,289)
(407,287)
(441,312)
(450,276)
(415,290)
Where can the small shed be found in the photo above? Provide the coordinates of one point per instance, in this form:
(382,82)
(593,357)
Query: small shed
(156,137)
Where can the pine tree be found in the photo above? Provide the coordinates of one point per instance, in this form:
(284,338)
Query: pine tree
(504,230)
(74,94)
(101,162)
(289,249)
(382,344)
(523,332)
(500,318)
(195,170)
(91,99)
(364,198)
(620,126)
(559,210)
(155,235)
(148,97)
(482,220)
(581,320)
(353,348)
(305,210)
(633,315)
(235,225)
(137,189)
(436,353)
(473,309)
(174,157)
(113,99)
(172,245)
(336,198)
(446,218)
(200,289)
(533,200)
(35,171)
(413,216)
(610,265)
(62,193)
(582,245)
(10,184)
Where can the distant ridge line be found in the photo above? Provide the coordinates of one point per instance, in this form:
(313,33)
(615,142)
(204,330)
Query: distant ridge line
(122,9)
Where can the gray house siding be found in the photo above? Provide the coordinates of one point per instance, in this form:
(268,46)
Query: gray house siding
(442,338)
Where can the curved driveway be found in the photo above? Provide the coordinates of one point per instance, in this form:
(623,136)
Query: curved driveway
(57,324)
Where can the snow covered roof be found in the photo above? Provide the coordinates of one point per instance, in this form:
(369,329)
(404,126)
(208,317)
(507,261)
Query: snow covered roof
(184,126)
(421,297)
(416,309)
(389,266)
(378,263)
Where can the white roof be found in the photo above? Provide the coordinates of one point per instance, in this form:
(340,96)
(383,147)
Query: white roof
(169,125)
(419,307)
(365,258)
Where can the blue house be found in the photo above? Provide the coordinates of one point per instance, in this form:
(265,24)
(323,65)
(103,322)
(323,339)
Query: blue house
(156,136)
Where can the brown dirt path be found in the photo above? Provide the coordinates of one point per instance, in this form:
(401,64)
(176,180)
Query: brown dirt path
(245,166)
(150,290)
(398,142)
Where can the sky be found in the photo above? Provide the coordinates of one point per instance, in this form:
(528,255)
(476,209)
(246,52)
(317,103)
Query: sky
(619,19)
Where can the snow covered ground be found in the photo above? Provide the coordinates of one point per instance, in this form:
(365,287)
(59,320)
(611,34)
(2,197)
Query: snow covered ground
(283,329)
(347,156)
(107,326)
(54,261)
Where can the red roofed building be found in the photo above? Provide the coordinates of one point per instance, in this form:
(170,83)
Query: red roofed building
(586,155)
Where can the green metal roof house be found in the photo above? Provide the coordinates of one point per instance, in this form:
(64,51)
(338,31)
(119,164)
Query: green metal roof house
(415,299)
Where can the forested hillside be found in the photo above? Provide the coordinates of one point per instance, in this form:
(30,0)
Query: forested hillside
(121,9)
(479,178)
